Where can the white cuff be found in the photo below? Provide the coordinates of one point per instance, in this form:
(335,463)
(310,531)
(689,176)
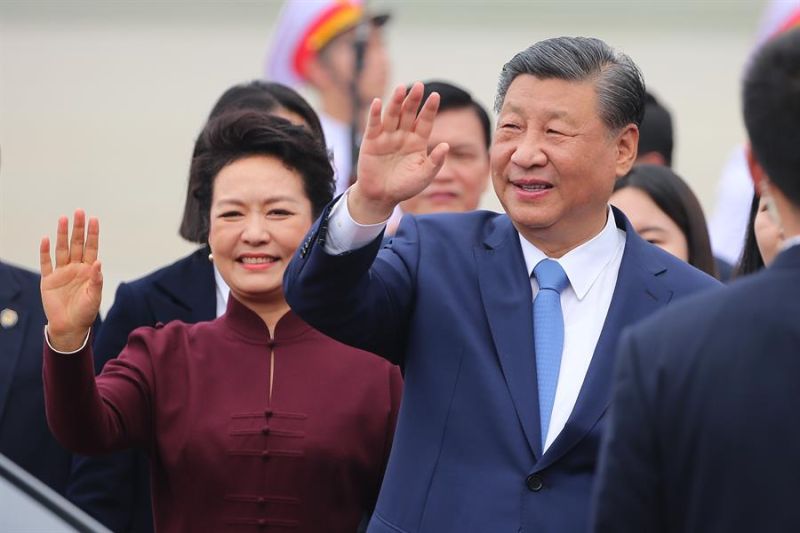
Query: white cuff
(47,340)
(344,233)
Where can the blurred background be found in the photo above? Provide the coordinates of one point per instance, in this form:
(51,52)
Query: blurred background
(101,101)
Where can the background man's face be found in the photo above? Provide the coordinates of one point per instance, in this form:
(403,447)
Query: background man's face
(459,184)
(554,161)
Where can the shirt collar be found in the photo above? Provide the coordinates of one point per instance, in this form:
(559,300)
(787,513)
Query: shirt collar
(791,241)
(583,264)
(223,291)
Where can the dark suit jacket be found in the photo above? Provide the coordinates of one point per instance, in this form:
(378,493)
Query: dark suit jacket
(115,488)
(450,300)
(24,435)
(704,435)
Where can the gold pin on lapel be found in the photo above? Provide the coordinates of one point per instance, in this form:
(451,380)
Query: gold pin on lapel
(8,318)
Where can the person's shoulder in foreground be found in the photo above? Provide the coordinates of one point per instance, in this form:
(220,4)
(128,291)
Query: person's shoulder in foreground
(702,396)
(701,437)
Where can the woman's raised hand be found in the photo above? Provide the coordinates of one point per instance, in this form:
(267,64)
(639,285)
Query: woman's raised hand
(71,291)
(394,163)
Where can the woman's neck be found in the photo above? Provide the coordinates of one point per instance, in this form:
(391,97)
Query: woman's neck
(269,312)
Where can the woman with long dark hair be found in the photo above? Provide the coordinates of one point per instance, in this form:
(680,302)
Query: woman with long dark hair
(664,210)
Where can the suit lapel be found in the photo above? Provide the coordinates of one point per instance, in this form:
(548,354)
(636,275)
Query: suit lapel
(10,338)
(506,294)
(638,293)
(191,288)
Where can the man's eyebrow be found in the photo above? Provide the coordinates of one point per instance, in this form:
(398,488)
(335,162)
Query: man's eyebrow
(513,108)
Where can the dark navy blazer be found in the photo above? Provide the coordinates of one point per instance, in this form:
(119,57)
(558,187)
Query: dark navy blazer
(115,488)
(704,434)
(450,300)
(24,435)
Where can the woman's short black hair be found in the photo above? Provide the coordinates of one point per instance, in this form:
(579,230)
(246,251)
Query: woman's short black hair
(238,134)
(267,97)
(675,198)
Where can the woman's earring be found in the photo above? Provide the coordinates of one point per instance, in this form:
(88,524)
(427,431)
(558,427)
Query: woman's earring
(211,257)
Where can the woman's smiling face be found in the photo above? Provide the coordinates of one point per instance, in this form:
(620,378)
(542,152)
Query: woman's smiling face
(259,215)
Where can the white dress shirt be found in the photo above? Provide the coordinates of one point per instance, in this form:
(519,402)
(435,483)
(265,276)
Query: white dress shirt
(337,136)
(592,269)
(790,242)
(727,224)
(222,292)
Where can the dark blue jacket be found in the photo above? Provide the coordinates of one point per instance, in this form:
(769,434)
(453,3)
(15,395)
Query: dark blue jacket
(704,434)
(24,435)
(450,300)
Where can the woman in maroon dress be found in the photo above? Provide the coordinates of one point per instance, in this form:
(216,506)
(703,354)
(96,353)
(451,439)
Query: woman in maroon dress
(253,421)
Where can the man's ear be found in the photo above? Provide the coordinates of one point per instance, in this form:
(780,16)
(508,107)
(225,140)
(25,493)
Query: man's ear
(757,172)
(627,149)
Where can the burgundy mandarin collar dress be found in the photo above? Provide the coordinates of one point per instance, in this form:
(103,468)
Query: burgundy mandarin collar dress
(244,432)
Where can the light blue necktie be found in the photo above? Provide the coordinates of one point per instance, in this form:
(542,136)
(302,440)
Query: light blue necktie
(548,335)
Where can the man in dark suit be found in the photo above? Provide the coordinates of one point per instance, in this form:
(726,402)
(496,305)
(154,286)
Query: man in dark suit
(505,324)
(703,434)
(24,435)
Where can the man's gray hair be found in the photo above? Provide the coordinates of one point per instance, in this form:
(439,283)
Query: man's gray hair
(618,81)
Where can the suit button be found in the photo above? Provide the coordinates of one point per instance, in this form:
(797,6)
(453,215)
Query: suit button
(265,455)
(534,482)
(265,430)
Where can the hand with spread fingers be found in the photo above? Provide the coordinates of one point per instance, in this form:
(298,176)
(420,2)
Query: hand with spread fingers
(394,163)
(71,291)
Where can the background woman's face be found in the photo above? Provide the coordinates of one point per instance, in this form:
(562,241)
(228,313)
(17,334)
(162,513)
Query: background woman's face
(650,222)
(259,215)
(768,234)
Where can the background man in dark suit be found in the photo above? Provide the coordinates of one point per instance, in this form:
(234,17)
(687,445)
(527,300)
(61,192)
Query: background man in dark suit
(490,436)
(24,435)
(704,436)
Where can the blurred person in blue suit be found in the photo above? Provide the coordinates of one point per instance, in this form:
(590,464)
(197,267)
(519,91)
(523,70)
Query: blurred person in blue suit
(24,435)
(702,435)
(115,488)
(506,325)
